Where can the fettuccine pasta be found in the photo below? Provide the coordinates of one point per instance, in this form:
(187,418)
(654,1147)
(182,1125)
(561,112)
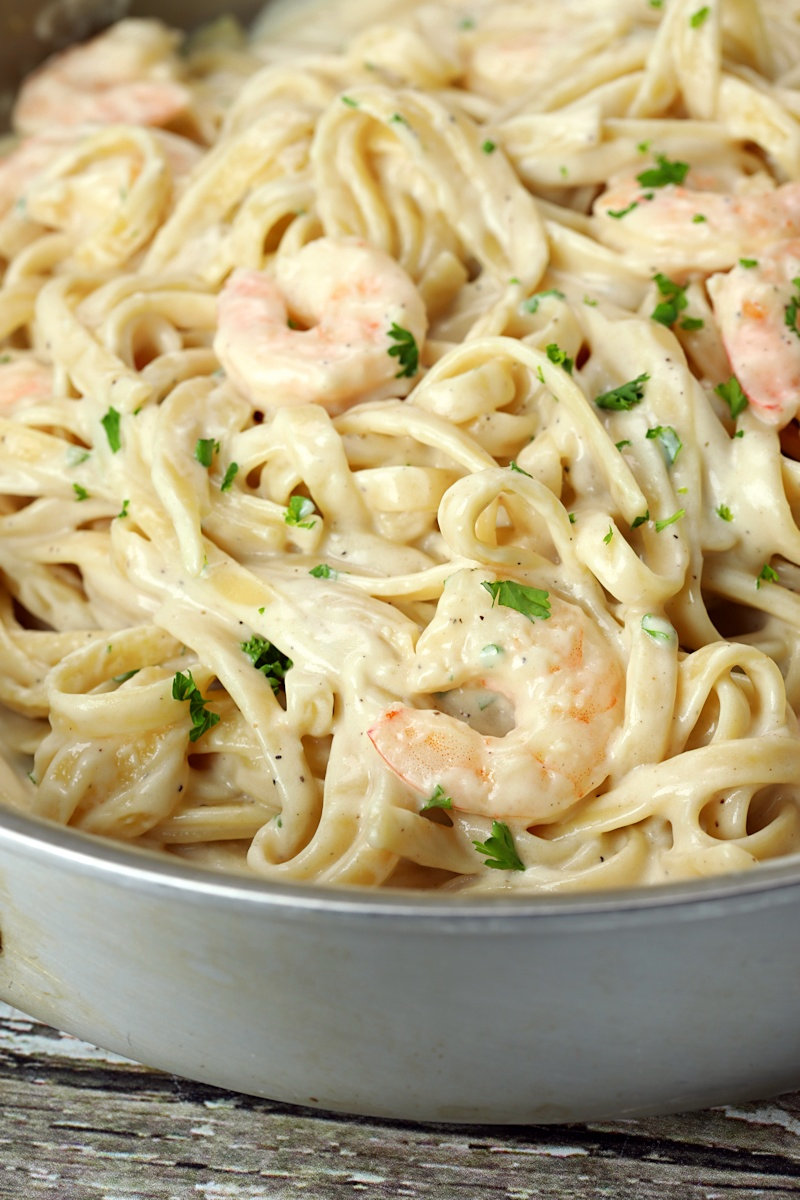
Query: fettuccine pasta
(400,473)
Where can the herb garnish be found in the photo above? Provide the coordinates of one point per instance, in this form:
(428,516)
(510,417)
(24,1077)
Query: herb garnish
(698,18)
(267,659)
(767,574)
(298,508)
(185,688)
(657,627)
(665,173)
(204,449)
(559,357)
(790,311)
(228,477)
(731,392)
(724,512)
(110,422)
(530,601)
(624,397)
(676,516)
(500,849)
(323,571)
(406,351)
(531,305)
(80,492)
(670,442)
(437,799)
(667,310)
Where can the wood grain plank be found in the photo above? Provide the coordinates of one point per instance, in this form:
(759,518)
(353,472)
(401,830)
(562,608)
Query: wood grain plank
(80,1124)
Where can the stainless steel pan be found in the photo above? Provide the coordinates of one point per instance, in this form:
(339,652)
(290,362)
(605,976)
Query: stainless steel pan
(424,1007)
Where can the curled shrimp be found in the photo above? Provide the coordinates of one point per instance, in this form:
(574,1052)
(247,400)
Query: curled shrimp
(360,311)
(694,226)
(122,75)
(757,304)
(527,711)
(23,381)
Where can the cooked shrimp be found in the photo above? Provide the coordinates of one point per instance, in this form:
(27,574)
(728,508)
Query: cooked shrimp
(23,381)
(757,305)
(123,75)
(694,227)
(537,701)
(365,322)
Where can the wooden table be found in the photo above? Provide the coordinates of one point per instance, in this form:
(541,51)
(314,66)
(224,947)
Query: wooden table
(82,1124)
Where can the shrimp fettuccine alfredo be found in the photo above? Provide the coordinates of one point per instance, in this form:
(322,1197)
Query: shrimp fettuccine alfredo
(400,463)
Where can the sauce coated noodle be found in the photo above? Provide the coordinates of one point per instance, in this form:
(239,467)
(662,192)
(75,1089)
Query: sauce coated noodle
(400,478)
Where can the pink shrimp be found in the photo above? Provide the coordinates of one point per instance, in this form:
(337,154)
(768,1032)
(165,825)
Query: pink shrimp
(757,305)
(125,74)
(699,226)
(365,323)
(553,688)
(23,381)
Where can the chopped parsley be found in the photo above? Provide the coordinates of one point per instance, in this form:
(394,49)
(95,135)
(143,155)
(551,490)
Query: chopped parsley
(724,512)
(267,659)
(298,508)
(437,799)
(559,357)
(531,305)
(530,601)
(80,492)
(618,213)
(349,101)
(748,263)
(692,323)
(676,516)
(123,512)
(609,535)
(674,302)
(185,688)
(733,395)
(514,466)
(126,675)
(698,18)
(665,173)
(790,311)
(642,519)
(204,450)
(500,849)
(323,571)
(670,442)
(228,477)
(657,627)
(110,422)
(624,397)
(699,218)
(488,147)
(405,351)
(767,574)
(621,445)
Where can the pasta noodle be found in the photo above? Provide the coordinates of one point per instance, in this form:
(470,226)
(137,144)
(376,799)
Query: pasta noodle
(401,475)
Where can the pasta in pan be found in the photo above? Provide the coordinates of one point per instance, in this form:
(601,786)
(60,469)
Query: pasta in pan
(401,473)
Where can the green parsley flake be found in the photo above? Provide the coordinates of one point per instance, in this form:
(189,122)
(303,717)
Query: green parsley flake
(698,18)
(531,305)
(748,263)
(724,512)
(642,519)
(514,466)
(437,799)
(767,574)
(667,310)
(670,442)
(110,422)
(123,512)
(185,688)
(699,218)
(502,854)
(559,357)
(624,397)
(298,508)
(228,477)
(405,351)
(618,213)
(126,675)
(530,601)
(731,392)
(204,449)
(622,444)
(349,101)
(80,492)
(790,311)
(488,147)
(323,571)
(665,173)
(690,324)
(267,659)
(676,516)
(609,535)
(657,627)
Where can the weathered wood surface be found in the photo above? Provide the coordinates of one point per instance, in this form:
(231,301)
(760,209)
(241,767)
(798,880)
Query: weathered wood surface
(81,1124)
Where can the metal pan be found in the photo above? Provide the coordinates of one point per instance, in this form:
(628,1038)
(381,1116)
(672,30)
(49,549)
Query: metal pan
(422,1007)
(427,1007)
